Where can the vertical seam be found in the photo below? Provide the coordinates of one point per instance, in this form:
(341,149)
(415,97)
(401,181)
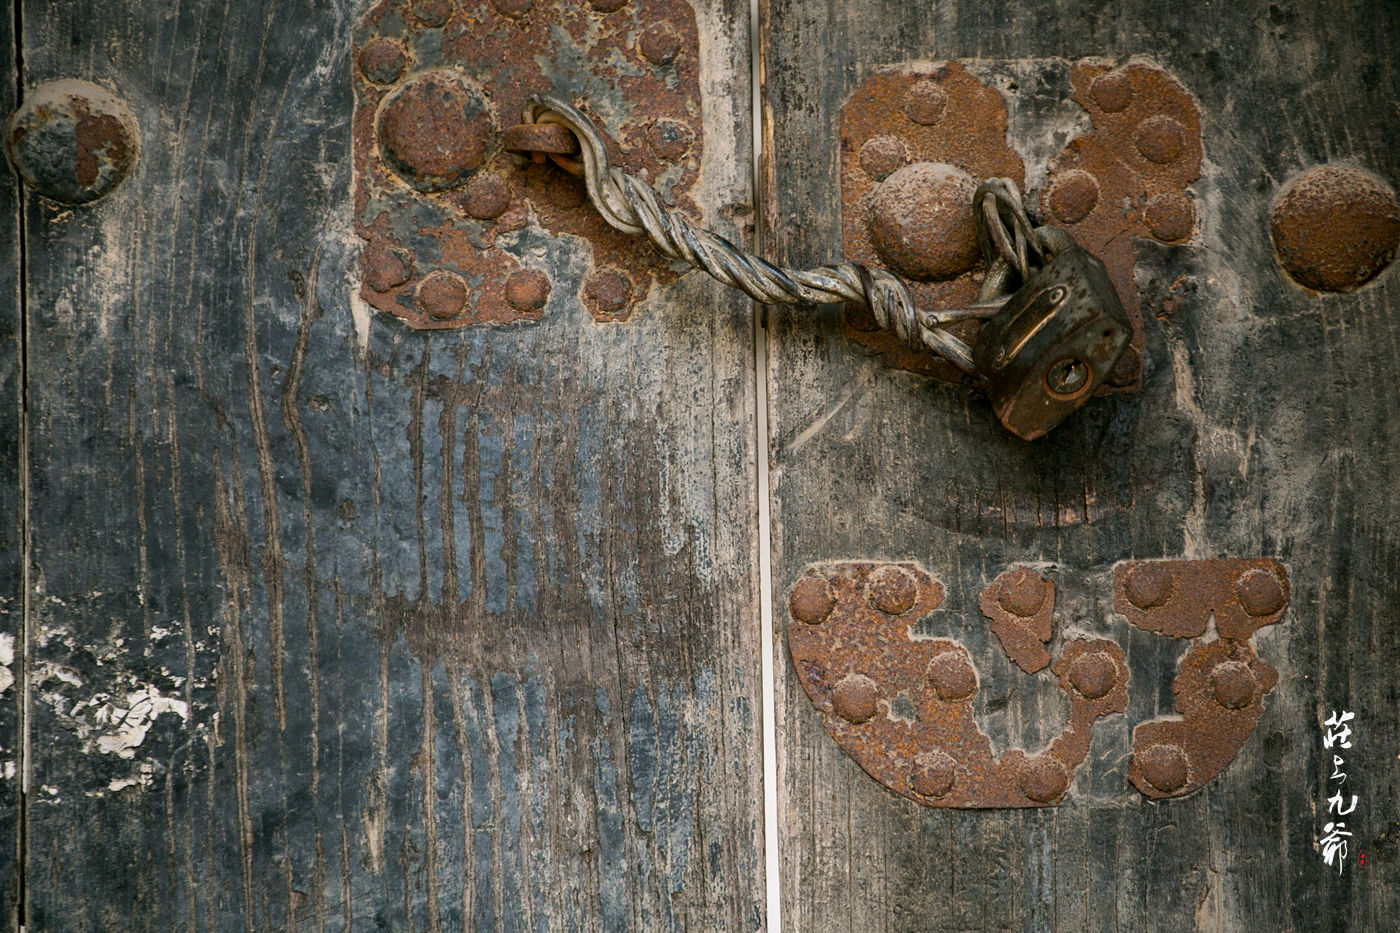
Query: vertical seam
(767,645)
(22,658)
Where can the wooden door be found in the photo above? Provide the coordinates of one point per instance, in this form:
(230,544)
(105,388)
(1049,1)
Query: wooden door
(323,620)
(335,624)
(1266,426)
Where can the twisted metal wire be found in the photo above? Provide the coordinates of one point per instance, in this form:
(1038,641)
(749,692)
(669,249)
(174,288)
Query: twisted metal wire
(631,206)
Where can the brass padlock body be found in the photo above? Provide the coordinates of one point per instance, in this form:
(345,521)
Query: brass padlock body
(1053,343)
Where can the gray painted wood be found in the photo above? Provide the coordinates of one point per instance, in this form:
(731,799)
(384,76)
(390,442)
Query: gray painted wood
(1267,426)
(11,504)
(401,632)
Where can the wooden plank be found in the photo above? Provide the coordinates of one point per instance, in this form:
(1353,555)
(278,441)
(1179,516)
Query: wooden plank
(1267,426)
(344,629)
(11,508)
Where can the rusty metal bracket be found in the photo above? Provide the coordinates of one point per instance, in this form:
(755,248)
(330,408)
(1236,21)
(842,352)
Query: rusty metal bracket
(915,140)
(449,218)
(901,705)
(1222,682)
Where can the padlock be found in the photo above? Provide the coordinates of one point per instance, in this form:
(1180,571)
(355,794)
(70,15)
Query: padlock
(1053,343)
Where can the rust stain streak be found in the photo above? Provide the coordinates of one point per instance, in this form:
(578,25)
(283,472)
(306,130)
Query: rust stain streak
(142,518)
(459,733)
(471,492)
(272,523)
(510,555)
(427,766)
(186,616)
(448,392)
(291,419)
(419,382)
(232,545)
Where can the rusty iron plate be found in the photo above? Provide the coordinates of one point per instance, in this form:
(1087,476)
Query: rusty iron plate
(1178,597)
(1020,604)
(902,706)
(915,142)
(450,220)
(1221,685)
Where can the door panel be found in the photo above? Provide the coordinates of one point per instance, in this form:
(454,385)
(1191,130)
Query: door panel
(341,624)
(1265,427)
(11,511)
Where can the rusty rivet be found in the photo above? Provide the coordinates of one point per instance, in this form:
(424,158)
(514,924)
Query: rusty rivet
(607,291)
(952,676)
(921,221)
(385,267)
(488,196)
(1148,585)
(1164,767)
(924,103)
(512,8)
(434,130)
(527,290)
(1113,91)
(934,774)
(1233,684)
(607,6)
(1043,778)
(854,698)
(1335,228)
(432,12)
(1170,216)
(1160,139)
(659,43)
(882,155)
(442,294)
(669,140)
(382,60)
(1022,593)
(1260,592)
(1093,675)
(811,600)
(72,141)
(891,590)
(1073,195)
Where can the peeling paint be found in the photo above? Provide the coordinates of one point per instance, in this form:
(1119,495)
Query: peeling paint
(7,658)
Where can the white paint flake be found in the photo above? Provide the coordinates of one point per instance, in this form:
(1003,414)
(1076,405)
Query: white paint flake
(7,659)
(122,725)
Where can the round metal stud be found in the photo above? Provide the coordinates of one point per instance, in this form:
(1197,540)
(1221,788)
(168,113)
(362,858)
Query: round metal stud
(934,774)
(435,130)
(811,600)
(1148,585)
(1335,228)
(1233,684)
(952,676)
(921,222)
(1165,767)
(72,141)
(1260,592)
(1093,675)
(1043,779)
(891,590)
(1022,592)
(855,699)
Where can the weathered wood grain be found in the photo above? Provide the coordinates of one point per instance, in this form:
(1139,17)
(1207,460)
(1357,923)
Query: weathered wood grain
(340,628)
(11,506)
(1267,425)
